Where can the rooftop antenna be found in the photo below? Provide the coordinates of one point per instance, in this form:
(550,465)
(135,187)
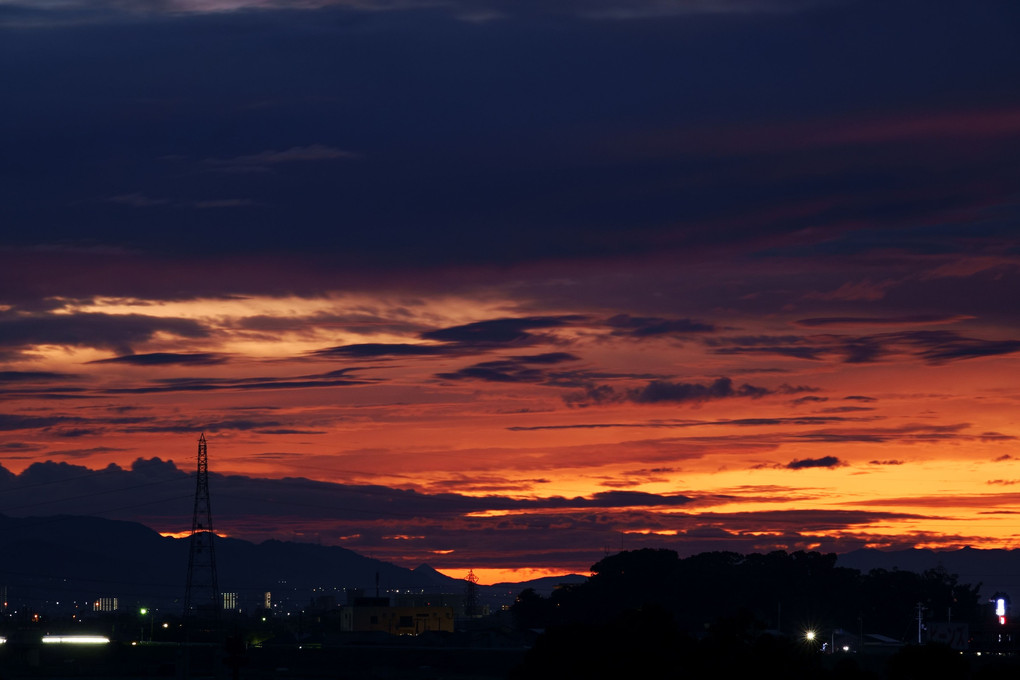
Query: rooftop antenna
(202,595)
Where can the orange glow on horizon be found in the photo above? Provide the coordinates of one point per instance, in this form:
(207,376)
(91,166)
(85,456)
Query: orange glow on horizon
(491,576)
(187,534)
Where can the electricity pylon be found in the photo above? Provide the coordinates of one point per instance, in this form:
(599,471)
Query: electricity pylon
(202,596)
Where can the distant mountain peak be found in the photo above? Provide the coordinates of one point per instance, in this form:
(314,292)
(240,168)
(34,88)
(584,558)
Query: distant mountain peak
(424,569)
(433,576)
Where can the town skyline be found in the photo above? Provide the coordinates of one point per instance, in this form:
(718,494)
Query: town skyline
(502,287)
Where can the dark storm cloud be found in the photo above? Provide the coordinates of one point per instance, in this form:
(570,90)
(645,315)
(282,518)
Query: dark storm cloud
(118,332)
(823,462)
(165,358)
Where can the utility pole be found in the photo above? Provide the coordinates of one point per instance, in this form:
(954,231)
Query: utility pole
(202,595)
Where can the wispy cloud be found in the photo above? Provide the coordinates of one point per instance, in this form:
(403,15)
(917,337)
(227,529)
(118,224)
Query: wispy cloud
(165,358)
(823,462)
(933,347)
(471,11)
(662,391)
(263,160)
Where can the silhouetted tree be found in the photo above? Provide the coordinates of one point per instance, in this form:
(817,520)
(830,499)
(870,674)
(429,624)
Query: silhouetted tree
(729,600)
(531,610)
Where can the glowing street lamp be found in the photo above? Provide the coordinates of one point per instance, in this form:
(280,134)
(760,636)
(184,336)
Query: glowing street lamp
(143,612)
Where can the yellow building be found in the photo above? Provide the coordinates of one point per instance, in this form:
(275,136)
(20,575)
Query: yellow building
(396,620)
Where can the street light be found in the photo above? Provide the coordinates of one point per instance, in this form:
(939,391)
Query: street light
(143,612)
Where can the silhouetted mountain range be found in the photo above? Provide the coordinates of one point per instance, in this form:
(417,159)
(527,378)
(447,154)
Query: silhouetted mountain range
(70,558)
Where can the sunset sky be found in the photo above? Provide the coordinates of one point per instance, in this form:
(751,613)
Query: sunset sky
(507,285)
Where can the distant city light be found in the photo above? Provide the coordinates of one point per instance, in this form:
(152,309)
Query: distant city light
(3,640)
(75,639)
(809,635)
(1000,607)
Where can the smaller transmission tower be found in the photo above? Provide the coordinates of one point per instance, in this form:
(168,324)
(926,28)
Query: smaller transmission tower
(202,596)
(471,608)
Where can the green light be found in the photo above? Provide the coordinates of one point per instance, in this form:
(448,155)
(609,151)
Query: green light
(143,611)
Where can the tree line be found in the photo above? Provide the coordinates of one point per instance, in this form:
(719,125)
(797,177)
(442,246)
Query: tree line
(653,612)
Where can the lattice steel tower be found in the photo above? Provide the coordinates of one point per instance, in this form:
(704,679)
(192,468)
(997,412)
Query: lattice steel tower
(202,596)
